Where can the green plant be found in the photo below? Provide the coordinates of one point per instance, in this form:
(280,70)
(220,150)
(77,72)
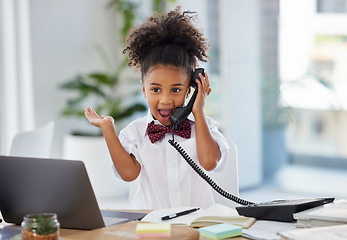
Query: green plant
(103,87)
(42,225)
(100,87)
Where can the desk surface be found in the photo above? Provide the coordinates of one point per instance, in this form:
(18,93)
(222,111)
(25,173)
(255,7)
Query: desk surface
(121,231)
(126,231)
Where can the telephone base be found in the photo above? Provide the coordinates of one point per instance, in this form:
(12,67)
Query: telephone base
(280,210)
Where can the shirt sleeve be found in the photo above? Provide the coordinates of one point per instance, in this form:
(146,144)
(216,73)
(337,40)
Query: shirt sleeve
(221,141)
(129,142)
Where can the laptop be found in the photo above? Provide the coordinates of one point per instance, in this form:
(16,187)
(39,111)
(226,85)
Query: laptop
(37,185)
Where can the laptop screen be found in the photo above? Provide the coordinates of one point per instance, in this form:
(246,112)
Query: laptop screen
(35,185)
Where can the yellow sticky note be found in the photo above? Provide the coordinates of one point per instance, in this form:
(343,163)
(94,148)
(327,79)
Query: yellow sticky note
(153,229)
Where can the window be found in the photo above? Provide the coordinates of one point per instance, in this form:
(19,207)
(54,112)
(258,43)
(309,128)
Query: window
(213,29)
(314,80)
(331,6)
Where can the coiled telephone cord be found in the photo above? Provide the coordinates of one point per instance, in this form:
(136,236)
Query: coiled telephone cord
(203,175)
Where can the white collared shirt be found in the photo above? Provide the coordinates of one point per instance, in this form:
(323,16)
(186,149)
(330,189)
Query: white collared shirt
(166,180)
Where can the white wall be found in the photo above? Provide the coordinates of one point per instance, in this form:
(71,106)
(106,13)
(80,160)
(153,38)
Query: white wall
(64,35)
(240,59)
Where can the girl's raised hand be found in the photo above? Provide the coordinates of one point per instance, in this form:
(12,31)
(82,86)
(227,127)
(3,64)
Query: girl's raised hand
(204,90)
(95,119)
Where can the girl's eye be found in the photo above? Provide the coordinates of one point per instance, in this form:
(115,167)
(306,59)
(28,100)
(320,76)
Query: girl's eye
(155,90)
(176,90)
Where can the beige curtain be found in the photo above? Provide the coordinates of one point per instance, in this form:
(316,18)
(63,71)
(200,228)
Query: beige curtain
(16,87)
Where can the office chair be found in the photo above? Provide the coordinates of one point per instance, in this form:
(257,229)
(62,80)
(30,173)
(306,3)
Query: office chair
(227,179)
(34,143)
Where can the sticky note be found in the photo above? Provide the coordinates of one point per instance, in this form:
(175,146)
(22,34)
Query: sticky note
(220,231)
(153,230)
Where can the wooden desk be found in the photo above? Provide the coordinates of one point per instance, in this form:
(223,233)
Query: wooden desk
(121,231)
(124,231)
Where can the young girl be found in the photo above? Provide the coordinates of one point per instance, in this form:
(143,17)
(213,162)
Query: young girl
(166,49)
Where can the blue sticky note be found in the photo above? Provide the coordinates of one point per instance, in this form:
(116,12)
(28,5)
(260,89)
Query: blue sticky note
(220,231)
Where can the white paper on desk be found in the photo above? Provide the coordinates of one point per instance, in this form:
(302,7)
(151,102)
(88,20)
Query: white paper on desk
(156,215)
(267,230)
(335,211)
(319,233)
(214,210)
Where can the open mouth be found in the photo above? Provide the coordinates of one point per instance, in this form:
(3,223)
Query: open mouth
(165,113)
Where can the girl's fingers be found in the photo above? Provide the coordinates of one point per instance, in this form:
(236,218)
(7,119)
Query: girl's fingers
(207,80)
(205,83)
(202,80)
(89,112)
(199,84)
(209,89)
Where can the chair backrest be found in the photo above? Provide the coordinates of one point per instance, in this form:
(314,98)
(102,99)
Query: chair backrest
(132,189)
(34,143)
(227,179)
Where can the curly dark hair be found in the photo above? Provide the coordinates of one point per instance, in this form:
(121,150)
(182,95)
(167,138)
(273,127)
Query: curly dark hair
(167,39)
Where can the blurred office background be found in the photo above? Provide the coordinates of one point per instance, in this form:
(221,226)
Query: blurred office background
(277,67)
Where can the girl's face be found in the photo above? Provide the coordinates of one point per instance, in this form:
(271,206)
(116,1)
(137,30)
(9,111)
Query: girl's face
(165,87)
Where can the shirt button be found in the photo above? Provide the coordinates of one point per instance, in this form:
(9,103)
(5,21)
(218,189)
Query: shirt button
(173,164)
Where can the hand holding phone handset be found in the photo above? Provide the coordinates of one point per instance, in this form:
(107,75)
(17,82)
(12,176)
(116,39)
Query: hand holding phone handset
(177,117)
(181,113)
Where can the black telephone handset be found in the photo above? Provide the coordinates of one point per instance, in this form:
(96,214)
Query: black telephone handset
(181,113)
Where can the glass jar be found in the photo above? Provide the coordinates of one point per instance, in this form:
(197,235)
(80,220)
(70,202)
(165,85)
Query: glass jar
(43,226)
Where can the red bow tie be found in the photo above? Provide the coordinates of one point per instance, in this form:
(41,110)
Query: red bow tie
(156,132)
